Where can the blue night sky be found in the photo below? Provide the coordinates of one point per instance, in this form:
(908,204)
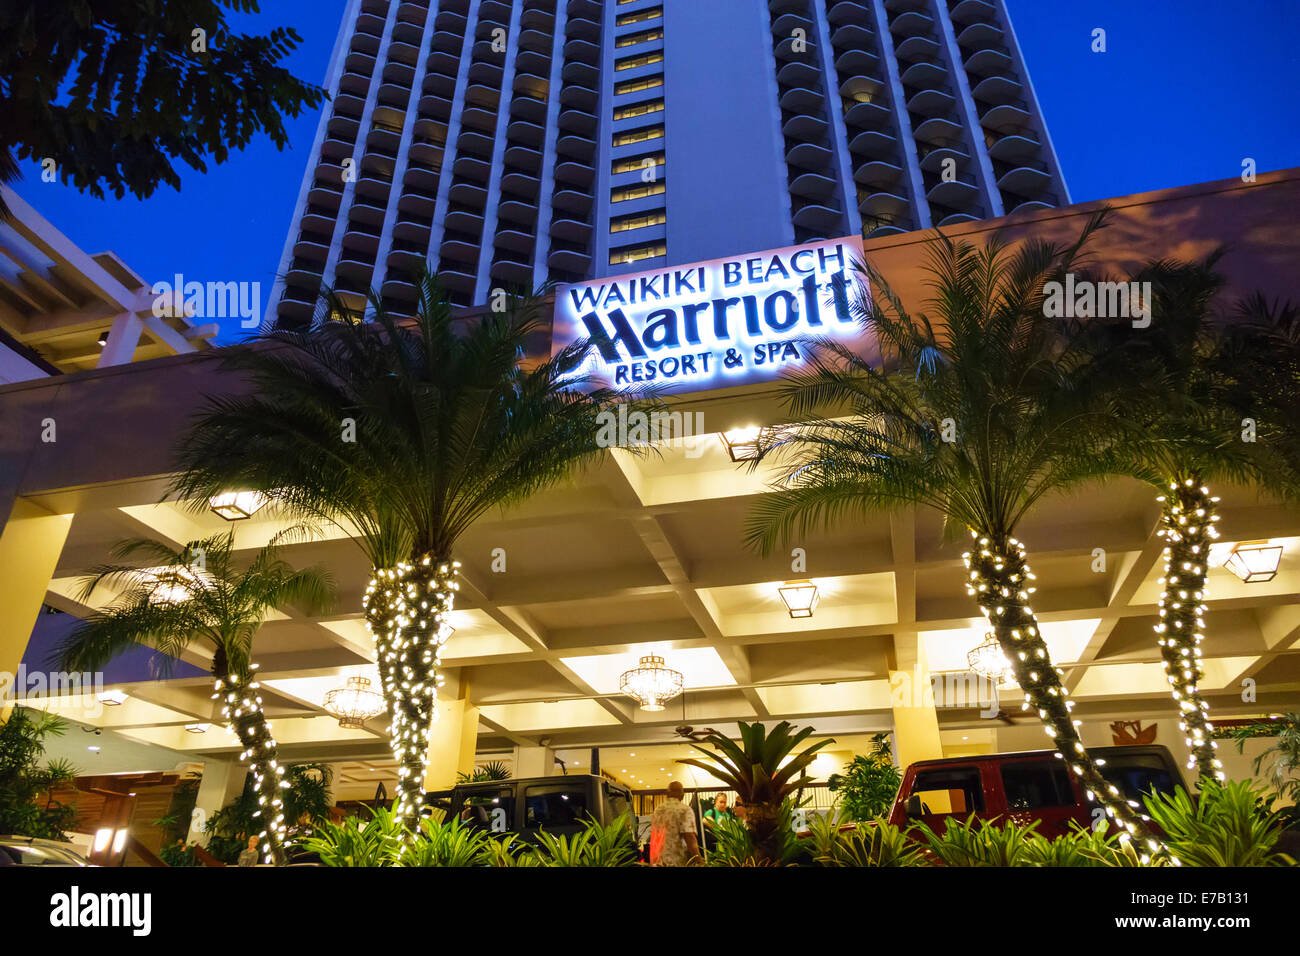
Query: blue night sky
(1186,90)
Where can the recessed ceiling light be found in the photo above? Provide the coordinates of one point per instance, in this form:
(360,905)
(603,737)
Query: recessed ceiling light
(93,749)
(197,728)
(112,697)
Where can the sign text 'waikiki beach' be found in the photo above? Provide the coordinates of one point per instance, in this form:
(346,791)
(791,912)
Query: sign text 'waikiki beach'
(709,324)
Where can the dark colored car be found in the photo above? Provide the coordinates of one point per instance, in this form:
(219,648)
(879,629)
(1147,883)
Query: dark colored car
(1024,787)
(558,804)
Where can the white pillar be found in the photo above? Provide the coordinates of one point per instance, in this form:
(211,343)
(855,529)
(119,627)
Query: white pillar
(222,782)
(534,762)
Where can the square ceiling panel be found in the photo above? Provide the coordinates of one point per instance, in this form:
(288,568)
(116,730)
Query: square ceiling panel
(854,600)
(946,650)
(699,666)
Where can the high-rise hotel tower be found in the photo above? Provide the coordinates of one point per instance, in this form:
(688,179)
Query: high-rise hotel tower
(511,142)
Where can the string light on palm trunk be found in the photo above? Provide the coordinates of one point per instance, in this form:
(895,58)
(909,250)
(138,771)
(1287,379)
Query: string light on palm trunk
(408,609)
(1187,525)
(1000,581)
(241,709)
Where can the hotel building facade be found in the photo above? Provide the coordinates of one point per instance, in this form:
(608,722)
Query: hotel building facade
(517,143)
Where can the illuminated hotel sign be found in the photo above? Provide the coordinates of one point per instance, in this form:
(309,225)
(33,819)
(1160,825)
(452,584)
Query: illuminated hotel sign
(712,324)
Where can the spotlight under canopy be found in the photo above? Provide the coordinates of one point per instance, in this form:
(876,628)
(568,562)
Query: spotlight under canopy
(800,598)
(742,443)
(1256,562)
(237,505)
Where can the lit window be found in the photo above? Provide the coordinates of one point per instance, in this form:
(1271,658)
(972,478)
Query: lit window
(639,135)
(636,192)
(645,59)
(637,253)
(638,109)
(635,86)
(645,36)
(633,163)
(624,223)
(639,16)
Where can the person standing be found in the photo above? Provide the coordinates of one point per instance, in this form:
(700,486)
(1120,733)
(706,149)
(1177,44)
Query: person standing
(673,841)
(718,812)
(248,856)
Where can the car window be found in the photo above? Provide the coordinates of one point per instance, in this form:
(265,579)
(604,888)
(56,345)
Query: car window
(949,790)
(616,803)
(490,809)
(1037,784)
(554,805)
(1138,774)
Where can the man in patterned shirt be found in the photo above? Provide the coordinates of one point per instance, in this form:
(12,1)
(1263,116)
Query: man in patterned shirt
(672,831)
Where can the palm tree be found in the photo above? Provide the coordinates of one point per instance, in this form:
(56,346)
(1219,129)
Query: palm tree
(197,594)
(764,770)
(977,408)
(403,433)
(1187,377)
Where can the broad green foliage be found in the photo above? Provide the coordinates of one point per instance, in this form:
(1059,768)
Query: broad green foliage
(115,92)
(384,840)
(1224,825)
(27,803)
(867,787)
(872,843)
(594,845)
(765,770)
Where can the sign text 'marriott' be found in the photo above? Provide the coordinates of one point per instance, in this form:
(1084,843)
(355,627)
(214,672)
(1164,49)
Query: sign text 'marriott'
(737,316)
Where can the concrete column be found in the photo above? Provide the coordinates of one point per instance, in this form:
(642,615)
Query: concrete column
(916,723)
(30,545)
(534,762)
(452,743)
(222,782)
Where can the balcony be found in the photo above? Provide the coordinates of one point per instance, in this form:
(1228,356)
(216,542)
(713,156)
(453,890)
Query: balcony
(912,23)
(917,48)
(1005,119)
(805,127)
(515,271)
(868,116)
(849,11)
(883,205)
(518,212)
(1025,181)
(988,63)
(572,200)
(970,11)
(977,36)
(1015,149)
(878,173)
(813,186)
(809,156)
(824,219)
(875,144)
(955,194)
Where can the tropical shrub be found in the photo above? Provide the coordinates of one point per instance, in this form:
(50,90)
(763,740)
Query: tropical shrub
(595,845)
(973,842)
(764,769)
(27,803)
(867,787)
(1223,826)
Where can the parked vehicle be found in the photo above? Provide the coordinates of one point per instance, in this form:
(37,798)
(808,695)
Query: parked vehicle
(524,806)
(33,851)
(1024,787)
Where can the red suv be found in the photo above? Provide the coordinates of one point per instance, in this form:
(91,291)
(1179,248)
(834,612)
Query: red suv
(1024,787)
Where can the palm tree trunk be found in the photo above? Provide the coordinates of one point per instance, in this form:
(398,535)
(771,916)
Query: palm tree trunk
(407,611)
(1000,580)
(1187,524)
(242,709)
